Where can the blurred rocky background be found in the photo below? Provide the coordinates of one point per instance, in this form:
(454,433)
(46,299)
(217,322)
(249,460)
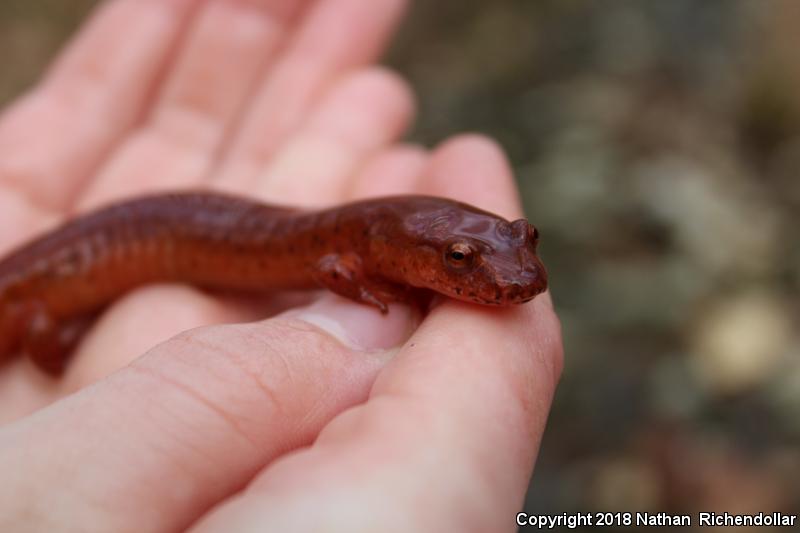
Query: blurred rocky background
(657,146)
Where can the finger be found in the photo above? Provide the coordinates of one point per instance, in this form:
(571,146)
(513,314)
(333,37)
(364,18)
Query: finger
(361,114)
(204,410)
(24,390)
(129,328)
(52,139)
(468,393)
(395,170)
(336,36)
(227,47)
(148,162)
(480,438)
(21,220)
(474,169)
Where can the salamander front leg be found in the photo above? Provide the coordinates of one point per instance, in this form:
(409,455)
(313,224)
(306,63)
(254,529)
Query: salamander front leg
(49,343)
(343,274)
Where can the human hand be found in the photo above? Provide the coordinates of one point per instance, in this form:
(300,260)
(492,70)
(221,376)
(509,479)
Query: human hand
(330,415)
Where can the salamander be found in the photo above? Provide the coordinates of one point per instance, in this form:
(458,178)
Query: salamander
(371,251)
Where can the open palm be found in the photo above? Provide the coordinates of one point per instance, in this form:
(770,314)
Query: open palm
(412,430)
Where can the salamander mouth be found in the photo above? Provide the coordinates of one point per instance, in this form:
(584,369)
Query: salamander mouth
(496,289)
(511,295)
(522,294)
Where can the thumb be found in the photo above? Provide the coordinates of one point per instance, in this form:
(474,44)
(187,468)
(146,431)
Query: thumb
(156,444)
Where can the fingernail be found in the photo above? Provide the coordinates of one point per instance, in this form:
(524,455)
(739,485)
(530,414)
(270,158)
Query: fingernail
(359,326)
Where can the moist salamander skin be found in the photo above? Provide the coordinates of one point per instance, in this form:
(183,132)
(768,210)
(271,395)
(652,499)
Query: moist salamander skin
(372,251)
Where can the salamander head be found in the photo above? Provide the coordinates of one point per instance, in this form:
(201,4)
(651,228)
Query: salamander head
(482,258)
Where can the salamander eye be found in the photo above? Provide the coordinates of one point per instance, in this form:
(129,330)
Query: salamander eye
(460,256)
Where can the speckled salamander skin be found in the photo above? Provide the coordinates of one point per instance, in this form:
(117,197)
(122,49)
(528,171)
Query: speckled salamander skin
(372,251)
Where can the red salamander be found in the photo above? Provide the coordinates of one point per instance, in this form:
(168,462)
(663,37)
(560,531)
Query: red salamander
(371,251)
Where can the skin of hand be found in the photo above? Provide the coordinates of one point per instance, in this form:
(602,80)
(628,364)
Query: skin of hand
(327,416)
